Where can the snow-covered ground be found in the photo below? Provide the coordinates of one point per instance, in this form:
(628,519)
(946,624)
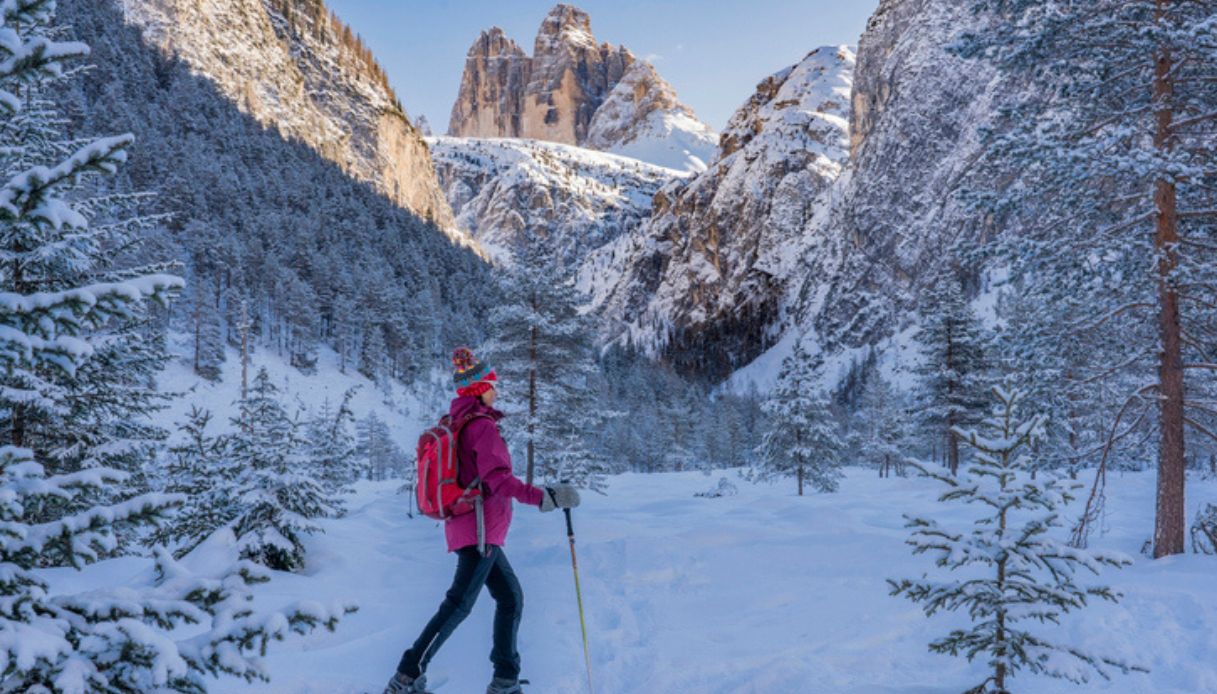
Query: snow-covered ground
(760,592)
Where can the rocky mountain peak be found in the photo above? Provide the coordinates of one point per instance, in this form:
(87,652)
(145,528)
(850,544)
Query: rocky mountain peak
(556,93)
(565,24)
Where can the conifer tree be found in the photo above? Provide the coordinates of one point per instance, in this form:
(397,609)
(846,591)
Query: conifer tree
(50,318)
(883,425)
(1107,135)
(541,348)
(332,449)
(276,494)
(1016,575)
(952,365)
(800,438)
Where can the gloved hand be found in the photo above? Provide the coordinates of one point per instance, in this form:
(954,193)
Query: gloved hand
(561,495)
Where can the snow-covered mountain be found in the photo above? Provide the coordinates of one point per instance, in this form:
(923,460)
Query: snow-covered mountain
(294,66)
(575,91)
(505,191)
(642,118)
(705,278)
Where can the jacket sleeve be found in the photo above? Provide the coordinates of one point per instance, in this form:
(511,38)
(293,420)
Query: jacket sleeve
(494,465)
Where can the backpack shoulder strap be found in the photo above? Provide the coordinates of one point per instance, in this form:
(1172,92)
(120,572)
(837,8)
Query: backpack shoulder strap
(456,428)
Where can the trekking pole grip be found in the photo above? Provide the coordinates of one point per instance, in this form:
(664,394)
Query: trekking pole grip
(570,529)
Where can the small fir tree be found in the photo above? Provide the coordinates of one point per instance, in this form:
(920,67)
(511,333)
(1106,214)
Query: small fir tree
(801,438)
(953,364)
(1018,574)
(332,449)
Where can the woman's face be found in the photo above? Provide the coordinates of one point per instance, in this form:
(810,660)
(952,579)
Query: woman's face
(489,396)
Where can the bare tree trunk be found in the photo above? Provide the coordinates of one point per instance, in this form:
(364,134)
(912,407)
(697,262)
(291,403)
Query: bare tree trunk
(800,474)
(532,394)
(1169,523)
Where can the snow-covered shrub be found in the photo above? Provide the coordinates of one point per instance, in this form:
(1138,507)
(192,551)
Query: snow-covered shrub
(1204,530)
(1017,574)
(725,487)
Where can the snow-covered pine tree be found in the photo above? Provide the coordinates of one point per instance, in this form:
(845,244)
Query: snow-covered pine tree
(883,425)
(801,438)
(952,366)
(541,347)
(1102,158)
(116,641)
(332,449)
(1016,574)
(376,450)
(276,495)
(1204,530)
(200,469)
(256,481)
(99,414)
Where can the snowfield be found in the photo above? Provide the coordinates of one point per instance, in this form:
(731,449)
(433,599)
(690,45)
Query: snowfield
(760,592)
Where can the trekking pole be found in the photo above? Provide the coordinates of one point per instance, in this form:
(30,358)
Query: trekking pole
(574,565)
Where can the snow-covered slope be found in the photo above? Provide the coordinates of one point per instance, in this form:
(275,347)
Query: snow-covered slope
(505,191)
(757,593)
(294,66)
(575,91)
(406,411)
(708,273)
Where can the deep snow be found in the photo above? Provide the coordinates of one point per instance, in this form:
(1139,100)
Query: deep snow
(760,592)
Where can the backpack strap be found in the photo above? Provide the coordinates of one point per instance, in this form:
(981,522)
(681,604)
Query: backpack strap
(456,427)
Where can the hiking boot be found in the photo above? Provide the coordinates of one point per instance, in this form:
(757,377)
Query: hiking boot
(500,685)
(404,684)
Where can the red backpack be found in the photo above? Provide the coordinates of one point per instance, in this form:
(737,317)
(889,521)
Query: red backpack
(440,494)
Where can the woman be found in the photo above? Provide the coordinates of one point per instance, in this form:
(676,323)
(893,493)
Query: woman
(482,455)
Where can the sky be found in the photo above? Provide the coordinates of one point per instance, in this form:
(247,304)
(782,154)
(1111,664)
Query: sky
(713,52)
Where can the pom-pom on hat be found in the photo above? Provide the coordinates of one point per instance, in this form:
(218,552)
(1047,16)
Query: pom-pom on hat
(471,375)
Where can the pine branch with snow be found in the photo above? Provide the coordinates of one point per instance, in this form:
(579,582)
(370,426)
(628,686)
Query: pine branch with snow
(1018,575)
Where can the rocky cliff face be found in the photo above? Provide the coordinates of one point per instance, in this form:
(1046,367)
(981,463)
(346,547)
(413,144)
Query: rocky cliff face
(704,280)
(559,92)
(293,66)
(891,218)
(580,203)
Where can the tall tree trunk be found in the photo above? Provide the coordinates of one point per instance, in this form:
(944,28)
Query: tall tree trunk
(800,474)
(1169,523)
(532,393)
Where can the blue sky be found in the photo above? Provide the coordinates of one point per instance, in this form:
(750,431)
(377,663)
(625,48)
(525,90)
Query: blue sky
(712,51)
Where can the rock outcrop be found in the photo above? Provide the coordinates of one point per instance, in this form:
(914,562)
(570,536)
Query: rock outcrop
(704,280)
(559,93)
(293,66)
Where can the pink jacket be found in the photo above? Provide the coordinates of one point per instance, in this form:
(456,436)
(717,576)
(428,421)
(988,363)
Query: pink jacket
(482,453)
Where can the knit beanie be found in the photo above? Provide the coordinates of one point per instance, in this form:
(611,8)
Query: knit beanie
(471,376)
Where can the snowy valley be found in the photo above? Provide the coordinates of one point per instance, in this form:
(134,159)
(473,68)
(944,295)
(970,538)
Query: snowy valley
(898,384)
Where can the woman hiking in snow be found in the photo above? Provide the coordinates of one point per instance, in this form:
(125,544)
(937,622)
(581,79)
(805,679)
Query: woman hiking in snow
(482,455)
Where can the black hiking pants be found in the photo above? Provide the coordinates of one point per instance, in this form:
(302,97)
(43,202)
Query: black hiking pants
(472,572)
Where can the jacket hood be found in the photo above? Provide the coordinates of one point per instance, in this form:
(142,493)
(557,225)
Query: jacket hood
(471,404)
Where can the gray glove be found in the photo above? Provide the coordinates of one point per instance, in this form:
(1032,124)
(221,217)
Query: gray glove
(561,495)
